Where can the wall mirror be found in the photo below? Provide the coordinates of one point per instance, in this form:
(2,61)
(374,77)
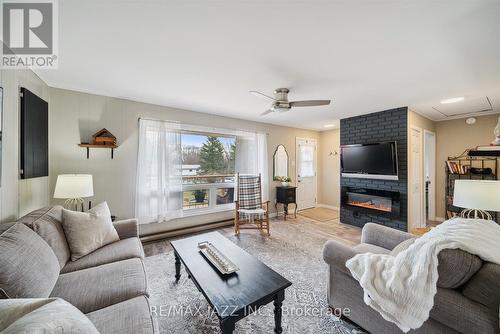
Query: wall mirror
(280,166)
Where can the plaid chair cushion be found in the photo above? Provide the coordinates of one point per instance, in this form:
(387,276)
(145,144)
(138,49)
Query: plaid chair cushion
(249,192)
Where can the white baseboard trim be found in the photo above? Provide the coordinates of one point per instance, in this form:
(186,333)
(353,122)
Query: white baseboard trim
(319,205)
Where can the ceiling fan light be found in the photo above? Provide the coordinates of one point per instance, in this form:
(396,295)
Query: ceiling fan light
(280,102)
(281,109)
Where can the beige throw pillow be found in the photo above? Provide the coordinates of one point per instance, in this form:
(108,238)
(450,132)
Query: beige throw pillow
(88,231)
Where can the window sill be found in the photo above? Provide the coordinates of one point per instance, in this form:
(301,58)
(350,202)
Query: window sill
(206,211)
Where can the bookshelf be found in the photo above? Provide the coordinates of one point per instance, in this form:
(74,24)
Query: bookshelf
(458,168)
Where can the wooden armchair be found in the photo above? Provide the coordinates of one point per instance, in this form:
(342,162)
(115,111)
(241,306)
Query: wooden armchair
(249,205)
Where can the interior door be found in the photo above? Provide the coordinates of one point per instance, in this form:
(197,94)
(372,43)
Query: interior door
(430,174)
(416,183)
(306,173)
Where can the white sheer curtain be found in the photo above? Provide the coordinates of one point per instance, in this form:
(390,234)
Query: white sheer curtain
(159,172)
(251,157)
(263,164)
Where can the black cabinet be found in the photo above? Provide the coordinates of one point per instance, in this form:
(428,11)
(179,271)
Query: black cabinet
(285,196)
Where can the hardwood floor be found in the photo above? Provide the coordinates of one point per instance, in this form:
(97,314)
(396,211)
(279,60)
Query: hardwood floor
(329,229)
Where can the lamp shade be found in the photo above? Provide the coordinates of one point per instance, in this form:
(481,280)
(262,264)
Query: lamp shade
(477,194)
(74,186)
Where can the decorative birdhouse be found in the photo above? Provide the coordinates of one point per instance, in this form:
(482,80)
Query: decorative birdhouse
(104,137)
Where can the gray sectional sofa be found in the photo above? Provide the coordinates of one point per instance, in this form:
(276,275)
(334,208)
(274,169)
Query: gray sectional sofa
(109,285)
(467,300)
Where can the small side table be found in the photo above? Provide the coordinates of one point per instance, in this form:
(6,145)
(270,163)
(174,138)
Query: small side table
(285,196)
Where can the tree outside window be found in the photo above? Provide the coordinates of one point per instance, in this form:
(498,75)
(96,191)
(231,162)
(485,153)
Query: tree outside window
(208,159)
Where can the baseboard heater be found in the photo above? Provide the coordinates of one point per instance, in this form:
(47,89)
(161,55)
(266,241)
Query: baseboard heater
(187,230)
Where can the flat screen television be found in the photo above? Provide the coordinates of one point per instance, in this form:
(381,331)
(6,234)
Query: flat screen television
(370,161)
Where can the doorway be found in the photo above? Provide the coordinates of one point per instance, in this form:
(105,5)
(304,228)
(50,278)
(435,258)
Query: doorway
(306,161)
(430,176)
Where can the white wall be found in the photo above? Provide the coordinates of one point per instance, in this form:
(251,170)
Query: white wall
(18,197)
(75,116)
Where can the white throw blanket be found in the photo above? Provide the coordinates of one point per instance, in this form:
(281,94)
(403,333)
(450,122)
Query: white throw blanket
(402,287)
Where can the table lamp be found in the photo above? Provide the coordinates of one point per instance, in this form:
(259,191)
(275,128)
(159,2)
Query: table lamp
(477,197)
(74,187)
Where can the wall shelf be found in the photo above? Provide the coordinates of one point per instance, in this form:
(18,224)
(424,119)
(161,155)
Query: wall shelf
(484,153)
(89,146)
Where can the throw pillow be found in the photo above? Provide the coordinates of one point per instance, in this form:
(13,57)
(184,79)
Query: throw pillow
(455,265)
(28,266)
(46,222)
(39,316)
(88,231)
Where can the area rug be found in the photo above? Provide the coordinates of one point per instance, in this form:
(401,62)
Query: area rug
(292,251)
(320,214)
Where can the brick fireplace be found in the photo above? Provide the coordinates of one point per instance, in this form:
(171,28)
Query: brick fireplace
(389,125)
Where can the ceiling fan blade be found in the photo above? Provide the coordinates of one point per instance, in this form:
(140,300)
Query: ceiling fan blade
(268,111)
(259,94)
(309,103)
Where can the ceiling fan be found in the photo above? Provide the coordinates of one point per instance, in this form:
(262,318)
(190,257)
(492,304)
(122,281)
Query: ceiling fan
(281,103)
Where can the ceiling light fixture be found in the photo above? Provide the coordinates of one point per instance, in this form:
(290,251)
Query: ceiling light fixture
(453,100)
(329,125)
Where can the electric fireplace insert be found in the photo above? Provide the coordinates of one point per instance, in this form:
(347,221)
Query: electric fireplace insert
(371,200)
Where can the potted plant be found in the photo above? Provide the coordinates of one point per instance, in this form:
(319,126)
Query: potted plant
(199,196)
(285,180)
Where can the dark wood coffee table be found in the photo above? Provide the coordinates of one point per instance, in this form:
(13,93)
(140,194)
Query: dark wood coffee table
(233,296)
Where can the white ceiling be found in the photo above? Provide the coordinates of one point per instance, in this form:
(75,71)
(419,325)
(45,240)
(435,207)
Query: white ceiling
(206,55)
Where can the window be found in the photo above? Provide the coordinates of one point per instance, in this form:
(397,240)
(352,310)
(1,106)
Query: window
(306,156)
(185,170)
(208,167)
